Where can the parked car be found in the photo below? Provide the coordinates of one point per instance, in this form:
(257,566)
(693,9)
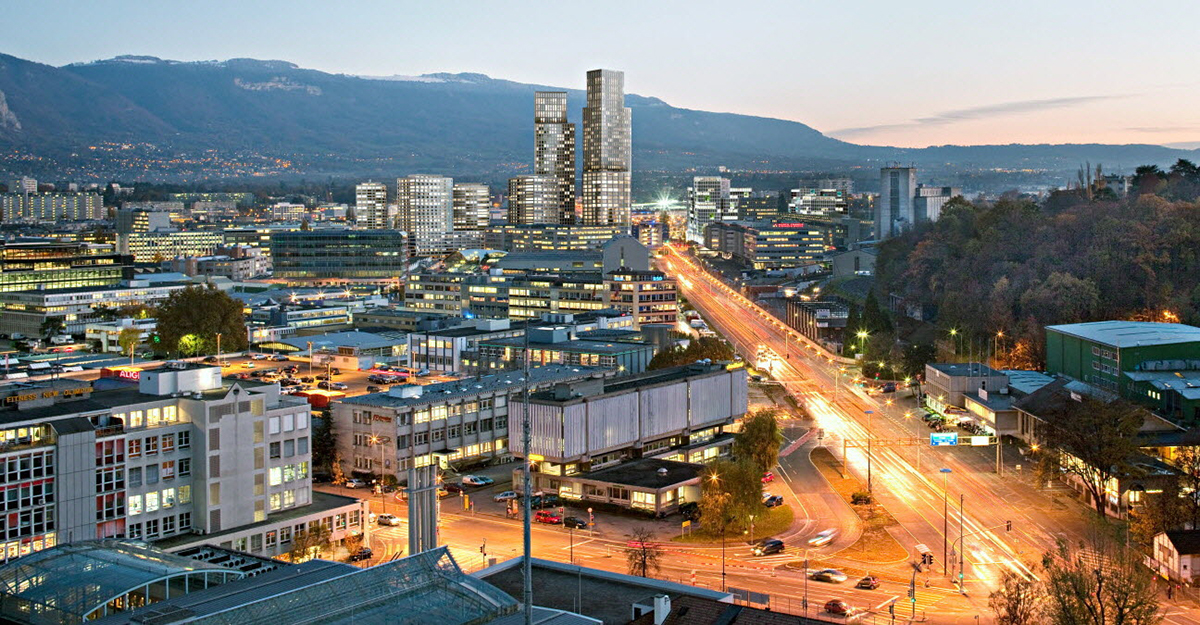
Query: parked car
(507,495)
(373,389)
(768,546)
(772,501)
(323,386)
(832,576)
(338,386)
(363,553)
(889,387)
(321,477)
(308,379)
(355,483)
(822,538)
(210,359)
(477,480)
(279,358)
(869,582)
(258,357)
(768,477)
(422,373)
(453,488)
(575,523)
(335,371)
(547,516)
(384,367)
(247,365)
(838,607)
(388,519)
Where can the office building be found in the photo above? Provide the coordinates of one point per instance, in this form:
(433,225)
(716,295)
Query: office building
(708,201)
(160,245)
(390,432)
(371,207)
(769,244)
(817,201)
(44,264)
(607,151)
(548,237)
(928,201)
(534,199)
(585,430)
(554,151)
(23,185)
(758,208)
(471,204)
(50,207)
(559,345)
(236,262)
(425,205)
(24,312)
(182,457)
(646,295)
(286,211)
(130,220)
(823,322)
(894,210)
(652,234)
(435,293)
(358,255)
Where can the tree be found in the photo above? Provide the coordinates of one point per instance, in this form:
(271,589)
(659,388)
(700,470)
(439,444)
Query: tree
(1187,460)
(202,312)
(52,326)
(1100,582)
(336,473)
(128,339)
(730,492)
(1018,601)
(874,318)
(705,347)
(759,440)
(353,541)
(309,544)
(1160,512)
(1096,440)
(643,556)
(324,441)
(915,357)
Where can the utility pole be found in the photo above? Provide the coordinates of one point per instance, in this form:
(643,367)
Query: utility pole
(945,522)
(526,443)
(870,435)
(961,546)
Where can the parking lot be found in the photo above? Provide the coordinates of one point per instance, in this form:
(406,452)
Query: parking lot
(356,381)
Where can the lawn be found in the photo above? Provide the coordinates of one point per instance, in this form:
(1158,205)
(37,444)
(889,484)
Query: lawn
(875,545)
(776,521)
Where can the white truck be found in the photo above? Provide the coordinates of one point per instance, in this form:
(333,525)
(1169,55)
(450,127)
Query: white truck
(62,339)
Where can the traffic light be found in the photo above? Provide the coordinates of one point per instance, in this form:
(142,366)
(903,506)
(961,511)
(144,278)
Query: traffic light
(1008,526)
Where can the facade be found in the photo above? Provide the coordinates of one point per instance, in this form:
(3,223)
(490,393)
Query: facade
(286,211)
(554,150)
(947,384)
(647,296)
(360,255)
(238,263)
(817,201)
(652,234)
(471,204)
(894,210)
(581,428)
(425,210)
(758,208)
(50,207)
(160,245)
(440,293)
(391,432)
(259,236)
(857,262)
(548,237)
(769,245)
(107,334)
(457,348)
(26,265)
(534,199)
(1176,555)
(550,345)
(531,296)
(607,151)
(1154,364)
(708,201)
(821,321)
(182,457)
(24,312)
(371,207)
(928,201)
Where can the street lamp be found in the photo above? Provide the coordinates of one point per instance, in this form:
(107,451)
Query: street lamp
(375,439)
(945,519)
(218,348)
(862,337)
(724,522)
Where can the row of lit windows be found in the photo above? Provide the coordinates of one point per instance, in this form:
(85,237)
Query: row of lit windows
(160,500)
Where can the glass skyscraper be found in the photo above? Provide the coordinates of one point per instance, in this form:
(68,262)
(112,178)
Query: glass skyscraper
(606,151)
(554,149)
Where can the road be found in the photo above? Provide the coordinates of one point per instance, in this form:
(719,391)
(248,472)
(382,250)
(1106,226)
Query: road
(907,481)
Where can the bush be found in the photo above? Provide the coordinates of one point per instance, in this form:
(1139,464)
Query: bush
(861,497)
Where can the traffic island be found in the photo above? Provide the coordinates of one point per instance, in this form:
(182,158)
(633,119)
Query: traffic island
(773,522)
(875,545)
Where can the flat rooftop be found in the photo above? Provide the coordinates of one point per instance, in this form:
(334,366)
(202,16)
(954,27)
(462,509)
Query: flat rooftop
(321,502)
(1026,382)
(965,369)
(477,386)
(647,473)
(1131,333)
(576,345)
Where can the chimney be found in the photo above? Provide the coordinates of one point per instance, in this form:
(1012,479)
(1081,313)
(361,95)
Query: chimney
(662,608)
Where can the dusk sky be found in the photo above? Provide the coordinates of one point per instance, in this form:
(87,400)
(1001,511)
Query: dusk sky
(896,73)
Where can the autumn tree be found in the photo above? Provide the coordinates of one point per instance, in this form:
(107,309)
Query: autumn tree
(128,339)
(1096,440)
(759,440)
(702,348)
(1098,582)
(642,555)
(1162,511)
(310,543)
(190,319)
(730,492)
(1018,601)
(1187,460)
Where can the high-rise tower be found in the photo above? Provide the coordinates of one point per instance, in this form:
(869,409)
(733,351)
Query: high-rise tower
(370,206)
(894,210)
(472,203)
(606,150)
(426,212)
(554,149)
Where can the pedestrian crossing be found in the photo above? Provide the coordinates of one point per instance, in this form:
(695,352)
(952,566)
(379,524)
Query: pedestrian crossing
(925,600)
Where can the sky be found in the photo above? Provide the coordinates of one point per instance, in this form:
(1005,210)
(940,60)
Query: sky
(910,74)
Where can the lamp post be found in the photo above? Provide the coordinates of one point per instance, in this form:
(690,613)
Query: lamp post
(945,519)
(862,337)
(379,441)
(870,435)
(218,348)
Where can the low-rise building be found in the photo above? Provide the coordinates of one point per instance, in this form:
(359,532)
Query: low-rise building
(376,256)
(823,321)
(468,421)
(768,244)
(946,384)
(649,297)
(236,262)
(107,334)
(160,245)
(1176,555)
(559,345)
(25,311)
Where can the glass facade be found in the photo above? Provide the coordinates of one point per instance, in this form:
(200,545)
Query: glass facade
(339,254)
(606,150)
(554,149)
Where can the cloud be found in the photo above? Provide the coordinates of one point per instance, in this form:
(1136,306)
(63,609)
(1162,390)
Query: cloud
(979,112)
(1162,128)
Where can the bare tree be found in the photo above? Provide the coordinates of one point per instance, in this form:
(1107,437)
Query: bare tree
(643,556)
(1018,601)
(309,544)
(1096,440)
(1099,582)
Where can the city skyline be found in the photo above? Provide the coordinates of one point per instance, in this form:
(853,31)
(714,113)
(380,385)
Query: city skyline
(997,87)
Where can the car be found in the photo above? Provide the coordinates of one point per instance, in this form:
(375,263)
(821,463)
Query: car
(768,477)
(838,607)
(690,511)
(575,523)
(373,389)
(210,359)
(248,365)
(768,546)
(279,358)
(291,369)
(363,553)
(323,377)
(833,576)
(422,373)
(335,371)
(547,516)
(308,379)
(258,357)
(507,495)
(242,376)
(451,487)
(388,519)
(355,483)
(889,387)
(772,501)
(383,367)
(321,477)
(323,386)
(822,538)
(869,582)
(477,480)
(338,386)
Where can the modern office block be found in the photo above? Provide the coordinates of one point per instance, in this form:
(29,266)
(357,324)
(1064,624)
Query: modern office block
(554,149)
(606,150)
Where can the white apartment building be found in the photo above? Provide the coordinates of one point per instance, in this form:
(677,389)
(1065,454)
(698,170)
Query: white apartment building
(425,205)
(370,206)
